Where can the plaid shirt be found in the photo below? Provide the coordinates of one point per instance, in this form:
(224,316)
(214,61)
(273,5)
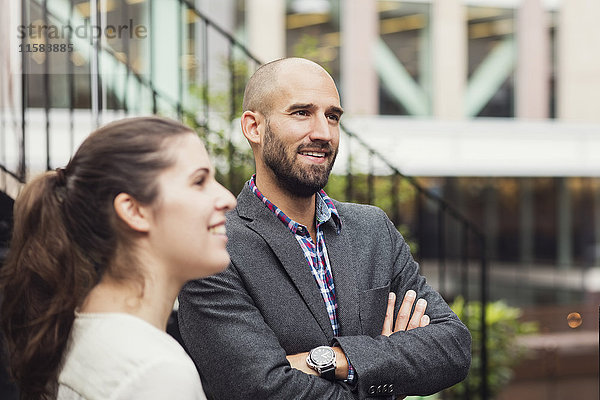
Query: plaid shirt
(315,254)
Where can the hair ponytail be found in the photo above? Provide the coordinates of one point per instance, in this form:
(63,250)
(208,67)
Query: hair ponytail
(42,282)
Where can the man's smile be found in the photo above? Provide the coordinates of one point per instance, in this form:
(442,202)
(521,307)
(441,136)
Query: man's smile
(313,154)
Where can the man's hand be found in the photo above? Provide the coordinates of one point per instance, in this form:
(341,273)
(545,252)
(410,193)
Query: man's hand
(404,321)
(298,361)
(419,319)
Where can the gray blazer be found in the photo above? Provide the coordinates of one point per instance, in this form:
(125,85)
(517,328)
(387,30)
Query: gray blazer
(238,326)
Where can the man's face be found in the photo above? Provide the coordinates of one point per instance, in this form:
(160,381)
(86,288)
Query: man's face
(301,136)
(301,178)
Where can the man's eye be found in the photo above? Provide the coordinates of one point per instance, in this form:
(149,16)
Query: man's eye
(333,117)
(301,112)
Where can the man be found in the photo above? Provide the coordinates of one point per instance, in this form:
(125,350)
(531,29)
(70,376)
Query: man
(306,308)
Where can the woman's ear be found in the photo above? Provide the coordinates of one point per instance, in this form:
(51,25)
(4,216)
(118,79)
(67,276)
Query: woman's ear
(250,121)
(132,213)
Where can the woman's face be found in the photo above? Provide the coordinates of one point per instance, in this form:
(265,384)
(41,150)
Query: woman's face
(188,225)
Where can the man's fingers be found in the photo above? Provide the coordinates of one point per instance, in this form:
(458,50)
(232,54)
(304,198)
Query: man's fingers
(404,320)
(404,312)
(419,312)
(389,315)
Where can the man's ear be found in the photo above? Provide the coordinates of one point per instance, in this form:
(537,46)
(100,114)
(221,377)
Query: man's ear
(131,212)
(250,121)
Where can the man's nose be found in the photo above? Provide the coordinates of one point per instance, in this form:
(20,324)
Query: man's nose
(321,129)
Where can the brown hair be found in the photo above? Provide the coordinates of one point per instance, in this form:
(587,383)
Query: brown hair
(67,235)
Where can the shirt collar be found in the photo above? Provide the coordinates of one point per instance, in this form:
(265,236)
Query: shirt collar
(325,209)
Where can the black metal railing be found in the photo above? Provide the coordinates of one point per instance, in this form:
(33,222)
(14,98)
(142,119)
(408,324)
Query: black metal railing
(450,248)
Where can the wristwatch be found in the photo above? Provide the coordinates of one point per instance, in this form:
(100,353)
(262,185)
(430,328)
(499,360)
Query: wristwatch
(322,360)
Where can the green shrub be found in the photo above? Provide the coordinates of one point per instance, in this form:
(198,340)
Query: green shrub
(503,352)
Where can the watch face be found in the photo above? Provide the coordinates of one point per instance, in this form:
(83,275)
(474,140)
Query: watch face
(322,356)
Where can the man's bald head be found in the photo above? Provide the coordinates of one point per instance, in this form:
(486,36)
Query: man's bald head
(265,81)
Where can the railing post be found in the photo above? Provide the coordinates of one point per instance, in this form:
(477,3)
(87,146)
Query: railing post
(94,66)
(180,88)
(420,226)
(371,181)
(47,86)
(465,261)
(24,96)
(152,66)
(395,198)
(349,186)
(484,300)
(230,147)
(205,71)
(442,249)
(154,102)
(465,284)
(71,73)
(126,47)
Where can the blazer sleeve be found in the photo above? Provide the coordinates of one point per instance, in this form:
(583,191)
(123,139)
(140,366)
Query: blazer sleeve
(243,358)
(421,361)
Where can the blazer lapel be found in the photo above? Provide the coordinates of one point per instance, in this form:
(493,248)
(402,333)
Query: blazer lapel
(288,251)
(345,278)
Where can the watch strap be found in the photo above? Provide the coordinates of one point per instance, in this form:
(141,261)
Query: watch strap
(328,373)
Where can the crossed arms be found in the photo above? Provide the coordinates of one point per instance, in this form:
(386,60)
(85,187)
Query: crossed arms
(404,322)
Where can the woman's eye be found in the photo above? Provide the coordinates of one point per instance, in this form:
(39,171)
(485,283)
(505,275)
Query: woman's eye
(200,181)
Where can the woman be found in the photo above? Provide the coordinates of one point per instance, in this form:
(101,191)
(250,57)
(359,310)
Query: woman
(100,250)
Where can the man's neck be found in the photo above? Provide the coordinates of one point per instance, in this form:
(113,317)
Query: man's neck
(299,209)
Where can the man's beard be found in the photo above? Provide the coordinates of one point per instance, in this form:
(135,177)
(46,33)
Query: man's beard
(299,180)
